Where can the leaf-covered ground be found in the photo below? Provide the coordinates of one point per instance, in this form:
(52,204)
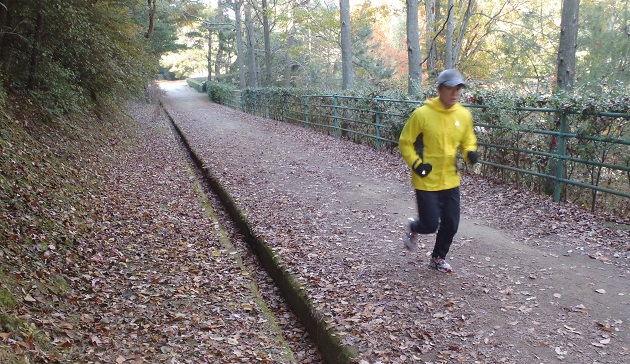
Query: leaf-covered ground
(534,280)
(111,253)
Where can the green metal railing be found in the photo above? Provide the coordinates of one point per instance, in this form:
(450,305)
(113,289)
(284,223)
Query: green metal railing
(518,145)
(560,154)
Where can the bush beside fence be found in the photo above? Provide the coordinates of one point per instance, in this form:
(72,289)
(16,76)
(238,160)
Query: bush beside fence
(549,146)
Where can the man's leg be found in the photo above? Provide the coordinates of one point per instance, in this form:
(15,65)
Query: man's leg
(449,221)
(428,212)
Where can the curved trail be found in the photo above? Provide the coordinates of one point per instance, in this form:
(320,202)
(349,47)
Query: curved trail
(334,212)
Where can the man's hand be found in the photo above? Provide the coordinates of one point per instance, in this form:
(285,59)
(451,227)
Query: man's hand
(423,169)
(473,157)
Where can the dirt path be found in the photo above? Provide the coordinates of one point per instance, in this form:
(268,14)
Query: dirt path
(526,288)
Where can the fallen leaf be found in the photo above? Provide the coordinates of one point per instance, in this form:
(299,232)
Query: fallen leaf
(95,340)
(604,327)
(248,306)
(580,308)
(232,341)
(559,351)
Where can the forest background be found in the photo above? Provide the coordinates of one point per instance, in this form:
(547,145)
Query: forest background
(66,57)
(496,44)
(75,52)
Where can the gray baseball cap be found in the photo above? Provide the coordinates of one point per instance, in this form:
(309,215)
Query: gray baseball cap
(451,77)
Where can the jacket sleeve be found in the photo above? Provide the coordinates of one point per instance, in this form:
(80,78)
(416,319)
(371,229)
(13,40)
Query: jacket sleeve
(469,141)
(408,136)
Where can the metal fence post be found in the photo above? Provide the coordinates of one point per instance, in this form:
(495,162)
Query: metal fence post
(561,154)
(255,104)
(306,110)
(336,116)
(378,125)
(268,106)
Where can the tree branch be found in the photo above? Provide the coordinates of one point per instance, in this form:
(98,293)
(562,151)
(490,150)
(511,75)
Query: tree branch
(436,35)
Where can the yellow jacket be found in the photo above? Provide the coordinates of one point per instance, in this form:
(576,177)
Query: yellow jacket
(433,135)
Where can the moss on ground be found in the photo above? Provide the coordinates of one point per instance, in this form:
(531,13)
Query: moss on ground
(49,177)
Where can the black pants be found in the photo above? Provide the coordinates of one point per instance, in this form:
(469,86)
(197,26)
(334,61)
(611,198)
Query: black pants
(438,210)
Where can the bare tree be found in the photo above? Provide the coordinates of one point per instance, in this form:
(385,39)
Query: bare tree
(413,48)
(220,19)
(290,41)
(470,8)
(450,30)
(252,80)
(266,35)
(347,69)
(432,11)
(236,6)
(568,44)
(209,56)
(453,47)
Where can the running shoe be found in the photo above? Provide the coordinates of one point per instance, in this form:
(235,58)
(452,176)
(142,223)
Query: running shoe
(441,265)
(410,236)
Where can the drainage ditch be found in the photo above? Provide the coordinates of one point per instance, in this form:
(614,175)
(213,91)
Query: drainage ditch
(294,297)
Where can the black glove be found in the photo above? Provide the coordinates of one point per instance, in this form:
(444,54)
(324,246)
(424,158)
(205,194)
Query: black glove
(423,169)
(472,157)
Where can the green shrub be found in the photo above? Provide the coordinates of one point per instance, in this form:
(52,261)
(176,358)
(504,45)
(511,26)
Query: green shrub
(221,93)
(198,83)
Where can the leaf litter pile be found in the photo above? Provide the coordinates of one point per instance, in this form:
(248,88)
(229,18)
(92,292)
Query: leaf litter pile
(139,269)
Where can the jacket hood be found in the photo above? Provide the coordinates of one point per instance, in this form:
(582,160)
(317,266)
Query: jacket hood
(436,105)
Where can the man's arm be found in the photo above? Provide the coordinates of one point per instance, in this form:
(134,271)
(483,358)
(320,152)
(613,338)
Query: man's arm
(408,137)
(469,144)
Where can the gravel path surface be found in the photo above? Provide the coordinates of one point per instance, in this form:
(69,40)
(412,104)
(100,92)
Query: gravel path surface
(533,282)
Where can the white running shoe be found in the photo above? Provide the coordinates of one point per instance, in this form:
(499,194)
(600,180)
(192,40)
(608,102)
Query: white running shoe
(410,237)
(441,265)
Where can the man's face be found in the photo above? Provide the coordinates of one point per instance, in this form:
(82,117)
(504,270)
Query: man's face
(449,95)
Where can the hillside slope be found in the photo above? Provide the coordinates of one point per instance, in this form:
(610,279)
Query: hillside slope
(49,181)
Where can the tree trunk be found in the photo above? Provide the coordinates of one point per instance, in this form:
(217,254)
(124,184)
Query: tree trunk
(568,44)
(450,30)
(413,49)
(252,79)
(220,39)
(239,44)
(153,6)
(347,70)
(209,57)
(288,60)
(431,30)
(4,23)
(266,34)
(39,31)
(457,48)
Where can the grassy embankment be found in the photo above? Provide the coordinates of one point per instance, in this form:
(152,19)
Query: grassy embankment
(49,184)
